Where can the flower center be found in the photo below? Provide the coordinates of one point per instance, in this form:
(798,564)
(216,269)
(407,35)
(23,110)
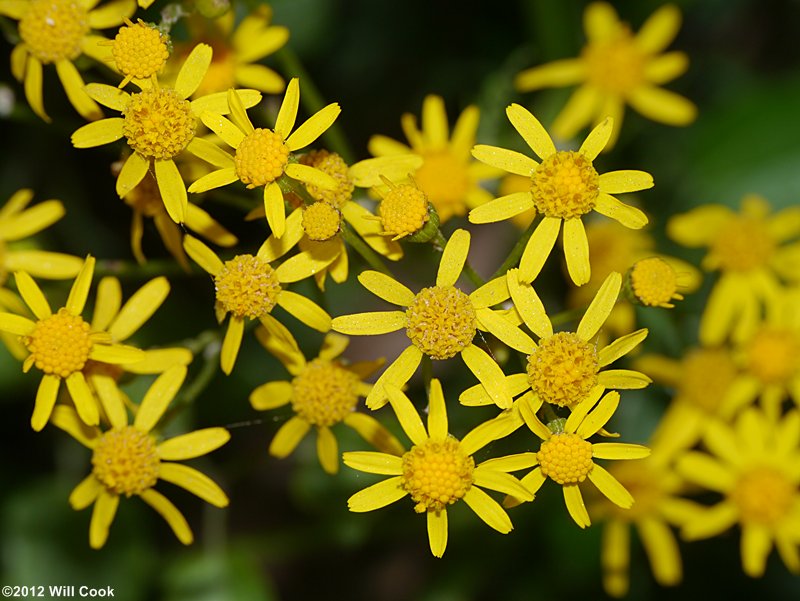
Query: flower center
(774,355)
(436,474)
(53,29)
(321,221)
(615,65)
(158,123)
(764,496)
(445,181)
(563,369)
(125,461)
(654,282)
(140,50)
(403,211)
(441,321)
(565,185)
(742,244)
(60,344)
(565,458)
(706,376)
(261,158)
(247,286)
(146,197)
(324,393)
(333,165)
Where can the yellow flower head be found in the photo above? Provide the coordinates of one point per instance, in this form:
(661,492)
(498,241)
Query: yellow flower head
(128,459)
(439,469)
(58,32)
(616,68)
(140,51)
(564,187)
(262,156)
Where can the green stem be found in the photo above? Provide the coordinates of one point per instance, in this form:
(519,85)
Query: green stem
(362,248)
(516,252)
(476,279)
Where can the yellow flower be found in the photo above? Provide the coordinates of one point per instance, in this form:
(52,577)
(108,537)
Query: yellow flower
(61,343)
(566,368)
(617,68)
(237,51)
(447,175)
(139,51)
(753,464)
(564,187)
(159,123)
(440,322)
(59,32)
(127,459)
(323,392)
(247,286)
(566,456)
(265,155)
(439,469)
(750,249)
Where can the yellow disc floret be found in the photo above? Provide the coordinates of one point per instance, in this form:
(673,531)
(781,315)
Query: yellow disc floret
(324,393)
(333,165)
(247,286)
(742,244)
(436,474)
(321,221)
(565,185)
(616,64)
(125,461)
(158,123)
(563,369)
(54,29)
(763,495)
(261,157)
(654,282)
(565,458)
(706,376)
(403,211)
(441,321)
(139,50)
(773,355)
(60,344)
(445,181)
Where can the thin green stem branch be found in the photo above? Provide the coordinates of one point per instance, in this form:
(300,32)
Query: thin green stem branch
(362,248)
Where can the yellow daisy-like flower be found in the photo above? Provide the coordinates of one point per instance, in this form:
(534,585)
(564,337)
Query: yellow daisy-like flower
(59,32)
(264,155)
(237,52)
(248,287)
(447,175)
(752,251)
(61,343)
(566,368)
(127,459)
(753,464)
(323,392)
(564,187)
(159,123)
(567,457)
(617,68)
(439,469)
(440,322)
(139,50)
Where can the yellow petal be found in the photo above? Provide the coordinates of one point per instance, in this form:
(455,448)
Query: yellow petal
(259,77)
(620,347)
(105,508)
(288,110)
(507,160)
(31,221)
(80,287)
(529,305)
(110,398)
(575,505)
(453,258)
(624,379)
(618,182)
(486,477)
(666,67)
(378,495)
(311,176)
(66,418)
(659,29)
(374,463)
(194,481)
(488,510)
(387,288)
(85,493)
(107,304)
(576,251)
(33,297)
(210,153)
(662,105)
(139,308)
(538,248)
(327,450)
(491,293)
(555,74)
(581,108)
(238,112)
(158,397)
(133,171)
(364,324)
(73,85)
(170,513)
(305,310)
(314,127)
(215,179)
(502,208)
(33,86)
(202,255)
(274,209)
(531,131)
(398,373)
(367,173)
(288,437)
(194,444)
(374,433)
(407,415)
(193,70)
(598,417)
(231,344)
(271,395)
(110,96)
(505,331)
(488,373)
(600,307)
(221,126)
(116,354)
(172,189)
(597,139)
(610,487)
(45,400)
(83,398)
(437,531)
(98,133)
(437,412)
(218,101)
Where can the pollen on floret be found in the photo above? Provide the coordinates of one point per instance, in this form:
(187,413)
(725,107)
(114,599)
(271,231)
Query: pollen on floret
(247,286)
(403,211)
(654,282)
(742,244)
(324,393)
(444,179)
(436,474)
(565,185)
(125,461)
(773,355)
(321,221)
(139,50)
(53,29)
(331,164)
(158,123)
(706,376)
(60,344)
(261,157)
(763,496)
(563,369)
(441,321)
(565,458)
(615,64)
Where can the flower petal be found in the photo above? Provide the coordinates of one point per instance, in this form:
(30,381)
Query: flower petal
(311,176)
(378,495)
(98,133)
(387,288)
(489,510)
(706,471)
(139,308)
(105,508)
(31,221)
(223,127)
(576,251)
(659,29)
(598,417)
(271,395)
(305,310)
(374,433)
(274,209)
(621,347)
(66,418)
(575,505)
(531,130)
(505,331)
(231,344)
(502,208)
(288,437)
(662,105)
(627,215)
(79,291)
(501,482)
(73,85)
(170,513)
(288,110)
(507,160)
(85,493)
(529,306)
(453,258)
(364,324)
(610,487)
(210,153)
(158,397)
(538,248)
(619,450)
(555,74)
(488,373)
(194,444)
(193,70)
(437,412)
(172,189)
(194,481)
(34,298)
(314,127)
(133,171)
(623,379)
(618,182)
(202,255)
(437,531)
(407,415)
(600,307)
(327,450)
(398,373)
(597,139)
(374,463)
